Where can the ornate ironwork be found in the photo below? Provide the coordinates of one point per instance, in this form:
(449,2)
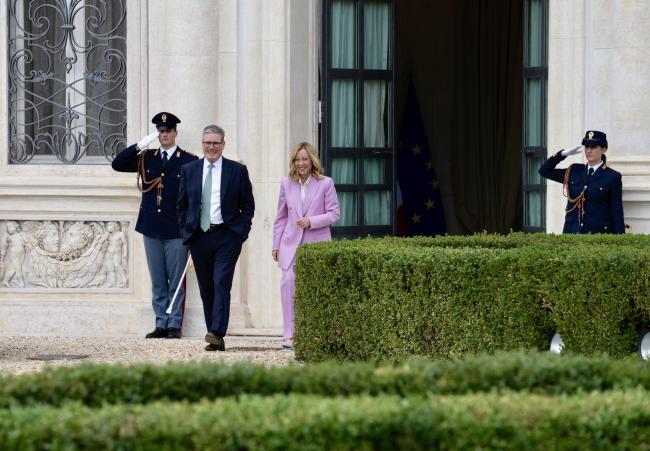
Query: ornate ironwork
(67,79)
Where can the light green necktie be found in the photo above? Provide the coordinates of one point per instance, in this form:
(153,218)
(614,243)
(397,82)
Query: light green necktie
(206,199)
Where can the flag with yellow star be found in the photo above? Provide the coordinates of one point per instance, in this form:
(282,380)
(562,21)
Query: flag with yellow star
(421,211)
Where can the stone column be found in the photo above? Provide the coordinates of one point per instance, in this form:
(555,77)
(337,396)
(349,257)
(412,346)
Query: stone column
(278,78)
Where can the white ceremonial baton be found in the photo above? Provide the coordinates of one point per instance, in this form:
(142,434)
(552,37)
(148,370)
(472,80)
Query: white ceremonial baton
(180,282)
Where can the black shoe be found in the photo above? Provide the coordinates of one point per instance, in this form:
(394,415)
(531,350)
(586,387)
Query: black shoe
(214,348)
(173,332)
(158,332)
(215,340)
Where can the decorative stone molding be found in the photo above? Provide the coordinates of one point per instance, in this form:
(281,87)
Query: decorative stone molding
(64,254)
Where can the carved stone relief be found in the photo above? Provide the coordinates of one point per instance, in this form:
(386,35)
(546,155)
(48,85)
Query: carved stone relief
(63,254)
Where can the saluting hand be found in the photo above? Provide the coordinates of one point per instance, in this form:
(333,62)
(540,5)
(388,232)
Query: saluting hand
(303,223)
(275,254)
(144,142)
(572,151)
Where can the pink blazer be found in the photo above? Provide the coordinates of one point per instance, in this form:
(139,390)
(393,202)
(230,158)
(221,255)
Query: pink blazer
(321,206)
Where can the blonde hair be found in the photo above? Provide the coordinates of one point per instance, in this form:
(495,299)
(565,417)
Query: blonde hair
(316,166)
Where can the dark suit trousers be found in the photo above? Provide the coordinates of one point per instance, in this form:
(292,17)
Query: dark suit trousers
(215,255)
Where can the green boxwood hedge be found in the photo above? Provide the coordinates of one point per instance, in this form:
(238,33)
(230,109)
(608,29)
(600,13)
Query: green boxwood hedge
(448,296)
(542,373)
(613,420)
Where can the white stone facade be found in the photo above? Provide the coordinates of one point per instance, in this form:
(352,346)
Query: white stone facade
(249,66)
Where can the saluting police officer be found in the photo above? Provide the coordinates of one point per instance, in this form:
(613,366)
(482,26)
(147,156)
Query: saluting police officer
(158,178)
(594,191)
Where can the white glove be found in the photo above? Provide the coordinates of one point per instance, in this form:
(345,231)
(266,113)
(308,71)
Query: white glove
(144,142)
(572,151)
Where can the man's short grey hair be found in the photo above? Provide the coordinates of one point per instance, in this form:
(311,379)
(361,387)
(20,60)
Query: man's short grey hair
(214,129)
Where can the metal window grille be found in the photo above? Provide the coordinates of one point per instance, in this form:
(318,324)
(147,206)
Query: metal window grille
(67,80)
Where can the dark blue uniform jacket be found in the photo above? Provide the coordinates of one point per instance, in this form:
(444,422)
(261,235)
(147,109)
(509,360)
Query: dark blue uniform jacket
(603,198)
(156,219)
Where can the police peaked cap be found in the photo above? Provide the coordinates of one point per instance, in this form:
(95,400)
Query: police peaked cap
(595,138)
(165,121)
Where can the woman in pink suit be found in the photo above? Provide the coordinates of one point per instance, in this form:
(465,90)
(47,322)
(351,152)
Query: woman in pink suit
(307,206)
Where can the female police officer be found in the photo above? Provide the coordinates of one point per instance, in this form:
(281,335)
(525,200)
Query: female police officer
(594,191)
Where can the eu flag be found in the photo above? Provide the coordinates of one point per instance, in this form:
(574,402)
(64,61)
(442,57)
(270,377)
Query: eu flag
(422,212)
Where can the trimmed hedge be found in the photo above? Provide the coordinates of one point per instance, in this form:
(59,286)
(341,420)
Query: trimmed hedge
(541,373)
(520,239)
(448,296)
(613,420)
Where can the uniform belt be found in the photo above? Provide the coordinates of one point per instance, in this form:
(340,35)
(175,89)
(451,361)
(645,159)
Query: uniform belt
(214,227)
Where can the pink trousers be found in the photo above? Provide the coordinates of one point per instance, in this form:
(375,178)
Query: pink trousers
(287,290)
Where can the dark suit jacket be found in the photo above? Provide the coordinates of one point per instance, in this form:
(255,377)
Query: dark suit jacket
(237,203)
(154,220)
(603,205)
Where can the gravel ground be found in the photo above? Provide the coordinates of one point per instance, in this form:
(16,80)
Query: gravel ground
(17,353)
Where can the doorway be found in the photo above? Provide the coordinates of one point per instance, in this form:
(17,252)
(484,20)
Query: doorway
(464,59)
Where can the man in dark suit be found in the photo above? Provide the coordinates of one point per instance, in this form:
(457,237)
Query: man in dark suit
(594,190)
(215,209)
(158,179)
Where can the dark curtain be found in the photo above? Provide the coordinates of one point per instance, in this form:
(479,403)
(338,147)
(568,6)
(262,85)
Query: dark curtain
(465,58)
(486,142)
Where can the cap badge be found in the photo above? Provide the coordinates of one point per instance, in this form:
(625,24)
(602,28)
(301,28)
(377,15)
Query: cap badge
(164,118)
(591,135)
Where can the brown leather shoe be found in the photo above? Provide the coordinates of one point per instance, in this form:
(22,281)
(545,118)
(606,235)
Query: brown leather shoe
(214,348)
(213,339)
(216,341)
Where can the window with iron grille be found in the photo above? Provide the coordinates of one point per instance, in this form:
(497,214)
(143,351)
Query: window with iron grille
(67,80)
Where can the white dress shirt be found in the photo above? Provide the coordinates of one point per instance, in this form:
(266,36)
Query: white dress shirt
(215,200)
(595,167)
(303,188)
(169,152)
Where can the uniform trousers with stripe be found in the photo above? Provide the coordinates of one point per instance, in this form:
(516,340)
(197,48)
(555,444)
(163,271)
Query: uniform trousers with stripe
(166,260)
